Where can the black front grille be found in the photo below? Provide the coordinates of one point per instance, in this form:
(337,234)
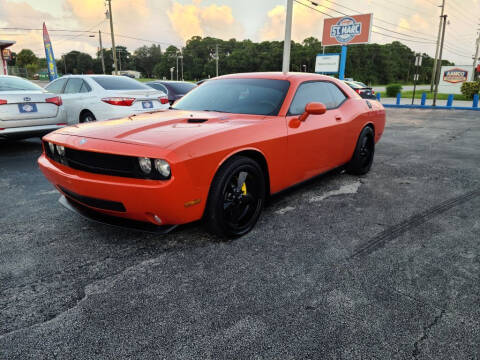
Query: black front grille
(101,163)
(94,202)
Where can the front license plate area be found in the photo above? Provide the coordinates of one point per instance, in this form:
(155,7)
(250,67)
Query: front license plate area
(147,104)
(27,108)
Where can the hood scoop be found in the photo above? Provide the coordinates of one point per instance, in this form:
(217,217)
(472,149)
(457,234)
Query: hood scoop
(196,121)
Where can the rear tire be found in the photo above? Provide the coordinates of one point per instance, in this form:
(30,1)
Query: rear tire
(87,116)
(362,158)
(236,198)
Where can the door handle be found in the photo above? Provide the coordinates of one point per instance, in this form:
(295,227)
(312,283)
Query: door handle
(338,117)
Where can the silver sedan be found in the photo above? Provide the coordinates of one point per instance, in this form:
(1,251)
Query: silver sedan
(27,110)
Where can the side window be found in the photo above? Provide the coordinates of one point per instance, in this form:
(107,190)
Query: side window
(337,94)
(318,91)
(85,87)
(56,86)
(73,86)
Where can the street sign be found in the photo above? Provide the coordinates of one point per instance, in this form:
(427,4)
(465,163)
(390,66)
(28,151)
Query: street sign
(418,60)
(327,63)
(355,29)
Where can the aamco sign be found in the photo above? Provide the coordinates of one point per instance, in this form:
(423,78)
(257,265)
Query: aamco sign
(455,75)
(355,29)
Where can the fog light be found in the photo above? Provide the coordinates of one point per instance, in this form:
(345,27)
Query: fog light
(52,148)
(145,165)
(162,167)
(157,219)
(61,150)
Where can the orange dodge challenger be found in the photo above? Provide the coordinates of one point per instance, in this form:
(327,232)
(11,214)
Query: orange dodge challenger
(216,154)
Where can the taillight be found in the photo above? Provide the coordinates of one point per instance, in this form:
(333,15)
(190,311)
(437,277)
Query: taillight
(2,102)
(373,92)
(119,101)
(357,91)
(57,100)
(163,99)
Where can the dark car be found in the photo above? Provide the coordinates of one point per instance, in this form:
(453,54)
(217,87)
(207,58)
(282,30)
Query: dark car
(361,89)
(174,89)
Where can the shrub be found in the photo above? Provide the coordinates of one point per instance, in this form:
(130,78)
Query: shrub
(470,88)
(393,90)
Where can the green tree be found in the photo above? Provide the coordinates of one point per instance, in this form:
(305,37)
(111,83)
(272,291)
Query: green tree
(25,57)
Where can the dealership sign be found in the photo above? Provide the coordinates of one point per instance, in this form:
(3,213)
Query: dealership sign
(327,64)
(355,29)
(455,75)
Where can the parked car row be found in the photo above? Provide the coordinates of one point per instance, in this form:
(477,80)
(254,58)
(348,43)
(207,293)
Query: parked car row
(28,110)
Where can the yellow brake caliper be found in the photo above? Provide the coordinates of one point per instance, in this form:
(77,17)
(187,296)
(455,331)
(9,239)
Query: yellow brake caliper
(244,189)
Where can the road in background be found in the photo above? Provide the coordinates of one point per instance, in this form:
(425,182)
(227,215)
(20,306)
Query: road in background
(381,266)
(404,88)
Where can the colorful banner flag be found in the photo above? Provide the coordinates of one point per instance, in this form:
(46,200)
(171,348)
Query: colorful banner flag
(51,65)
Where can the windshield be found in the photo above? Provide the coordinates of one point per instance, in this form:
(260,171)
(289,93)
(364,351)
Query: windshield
(17,84)
(119,83)
(239,96)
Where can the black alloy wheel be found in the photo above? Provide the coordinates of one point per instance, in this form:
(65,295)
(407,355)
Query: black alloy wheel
(236,198)
(362,158)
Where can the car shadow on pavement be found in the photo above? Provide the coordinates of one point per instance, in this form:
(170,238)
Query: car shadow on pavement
(19,147)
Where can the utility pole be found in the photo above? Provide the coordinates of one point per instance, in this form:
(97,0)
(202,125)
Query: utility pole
(216,58)
(101,50)
(475,58)
(434,70)
(110,16)
(439,63)
(288,37)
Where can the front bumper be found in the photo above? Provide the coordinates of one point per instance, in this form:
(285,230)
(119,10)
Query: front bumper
(99,217)
(142,200)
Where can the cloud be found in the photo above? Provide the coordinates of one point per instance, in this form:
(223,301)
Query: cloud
(306,23)
(197,20)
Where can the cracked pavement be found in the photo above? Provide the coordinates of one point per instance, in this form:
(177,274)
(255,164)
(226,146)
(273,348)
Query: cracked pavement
(384,266)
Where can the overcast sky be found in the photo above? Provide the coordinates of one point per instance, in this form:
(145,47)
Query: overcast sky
(174,21)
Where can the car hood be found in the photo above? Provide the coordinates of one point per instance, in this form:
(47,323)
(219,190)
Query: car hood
(163,129)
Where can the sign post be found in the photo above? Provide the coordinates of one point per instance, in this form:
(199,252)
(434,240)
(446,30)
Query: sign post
(355,29)
(418,63)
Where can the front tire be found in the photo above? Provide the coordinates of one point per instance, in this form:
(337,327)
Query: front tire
(87,116)
(362,158)
(236,198)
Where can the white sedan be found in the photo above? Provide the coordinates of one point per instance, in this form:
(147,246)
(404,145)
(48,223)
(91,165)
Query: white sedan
(27,110)
(104,97)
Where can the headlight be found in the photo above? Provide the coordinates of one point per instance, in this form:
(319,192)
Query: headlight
(52,148)
(162,167)
(61,150)
(145,165)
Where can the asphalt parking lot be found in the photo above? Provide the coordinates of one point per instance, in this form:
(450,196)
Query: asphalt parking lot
(385,266)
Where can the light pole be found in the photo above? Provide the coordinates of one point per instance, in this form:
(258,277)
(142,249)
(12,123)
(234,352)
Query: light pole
(216,59)
(181,63)
(288,37)
(101,50)
(171,73)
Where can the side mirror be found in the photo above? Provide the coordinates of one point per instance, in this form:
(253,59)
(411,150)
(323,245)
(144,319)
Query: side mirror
(313,108)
